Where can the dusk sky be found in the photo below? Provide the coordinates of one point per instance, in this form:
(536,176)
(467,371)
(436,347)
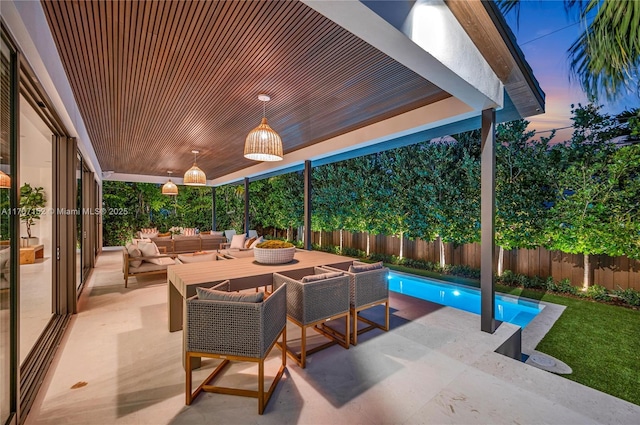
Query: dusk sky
(544,35)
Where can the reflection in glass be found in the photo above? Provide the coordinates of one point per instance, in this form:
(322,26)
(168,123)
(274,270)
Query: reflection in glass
(79,275)
(5,307)
(36,251)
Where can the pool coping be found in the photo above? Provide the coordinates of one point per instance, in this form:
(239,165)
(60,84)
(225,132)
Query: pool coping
(535,330)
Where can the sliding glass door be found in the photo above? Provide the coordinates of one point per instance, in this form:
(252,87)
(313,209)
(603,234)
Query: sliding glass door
(8,310)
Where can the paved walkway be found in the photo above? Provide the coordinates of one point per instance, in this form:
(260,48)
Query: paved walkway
(119,365)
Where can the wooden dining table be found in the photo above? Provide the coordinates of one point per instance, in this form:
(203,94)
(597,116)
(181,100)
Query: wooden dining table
(243,273)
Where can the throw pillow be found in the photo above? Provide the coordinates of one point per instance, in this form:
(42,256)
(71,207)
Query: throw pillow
(314,278)
(150,250)
(144,235)
(249,242)
(256,242)
(199,258)
(213,295)
(237,242)
(365,267)
(134,252)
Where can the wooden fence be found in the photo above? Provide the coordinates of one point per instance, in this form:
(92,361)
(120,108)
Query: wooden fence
(610,272)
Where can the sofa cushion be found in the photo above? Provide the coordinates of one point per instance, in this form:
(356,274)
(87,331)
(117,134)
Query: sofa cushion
(148,235)
(313,278)
(357,268)
(196,258)
(211,236)
(213,295)
(237,242)
(151,267)
(149,250)
(134,252)
(321,276)
(249,242)
(214,233)
(256,242)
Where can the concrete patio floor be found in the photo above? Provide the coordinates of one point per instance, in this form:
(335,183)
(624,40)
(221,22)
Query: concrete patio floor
(118,364)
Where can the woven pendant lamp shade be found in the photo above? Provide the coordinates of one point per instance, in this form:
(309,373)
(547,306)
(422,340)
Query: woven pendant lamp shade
(194,175)
(5,181)
(170,188)
(263,144)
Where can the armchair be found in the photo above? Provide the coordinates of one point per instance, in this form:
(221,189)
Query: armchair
(234,331)
(313,300)
(368,287)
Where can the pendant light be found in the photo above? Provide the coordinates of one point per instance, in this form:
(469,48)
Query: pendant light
(170,187)
(194,175)
(5,180)
(263,143)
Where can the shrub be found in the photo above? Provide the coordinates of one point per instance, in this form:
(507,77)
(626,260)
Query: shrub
(465,271)
(629,296)
(274,244)
(566,287)
(598,293)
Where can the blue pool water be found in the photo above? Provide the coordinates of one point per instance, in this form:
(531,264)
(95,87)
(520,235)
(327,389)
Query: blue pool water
(508,309)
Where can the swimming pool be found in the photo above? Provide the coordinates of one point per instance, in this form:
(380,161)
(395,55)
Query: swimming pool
(508,309)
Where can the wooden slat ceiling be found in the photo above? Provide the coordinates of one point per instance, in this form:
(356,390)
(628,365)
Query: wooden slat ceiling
(155,79)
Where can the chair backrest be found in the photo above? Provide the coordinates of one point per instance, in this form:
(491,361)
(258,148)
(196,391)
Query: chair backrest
(317,300)
(235,328)
(367,287)
(229,234)
(253,234)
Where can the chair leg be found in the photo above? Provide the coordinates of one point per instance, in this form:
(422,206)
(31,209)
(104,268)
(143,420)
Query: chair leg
(354,329)
(261,387)
(386,324)
(188,379)
(346,331)
(284,346)
(303,353)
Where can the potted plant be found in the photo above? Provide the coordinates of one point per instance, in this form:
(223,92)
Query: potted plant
(32,203)
(274,252)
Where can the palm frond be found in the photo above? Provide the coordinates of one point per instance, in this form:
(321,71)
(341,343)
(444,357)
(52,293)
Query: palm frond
(606,57)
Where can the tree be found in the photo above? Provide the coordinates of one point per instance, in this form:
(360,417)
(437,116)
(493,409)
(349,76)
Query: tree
(332,198)
(399,168)
(282,202)
(448,191)
(585,218)
(32,202)
(605,58)
(524,188)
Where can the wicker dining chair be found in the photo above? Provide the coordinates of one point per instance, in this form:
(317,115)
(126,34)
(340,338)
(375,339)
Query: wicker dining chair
(368,287)
(235,331)
(312,303)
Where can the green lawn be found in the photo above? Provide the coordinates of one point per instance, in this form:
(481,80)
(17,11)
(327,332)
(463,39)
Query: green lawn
(600,342)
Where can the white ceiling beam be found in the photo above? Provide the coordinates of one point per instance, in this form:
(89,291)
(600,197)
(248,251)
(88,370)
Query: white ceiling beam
(436,114)
(432,43)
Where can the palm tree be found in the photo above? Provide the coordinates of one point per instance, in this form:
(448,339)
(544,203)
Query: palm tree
(605,59)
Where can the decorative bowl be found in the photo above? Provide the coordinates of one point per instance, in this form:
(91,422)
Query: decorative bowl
(274,256)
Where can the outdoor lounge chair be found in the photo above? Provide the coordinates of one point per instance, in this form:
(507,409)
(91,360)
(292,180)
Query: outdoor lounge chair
(311,303)
(369,287)
(235,331)
(229,234)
